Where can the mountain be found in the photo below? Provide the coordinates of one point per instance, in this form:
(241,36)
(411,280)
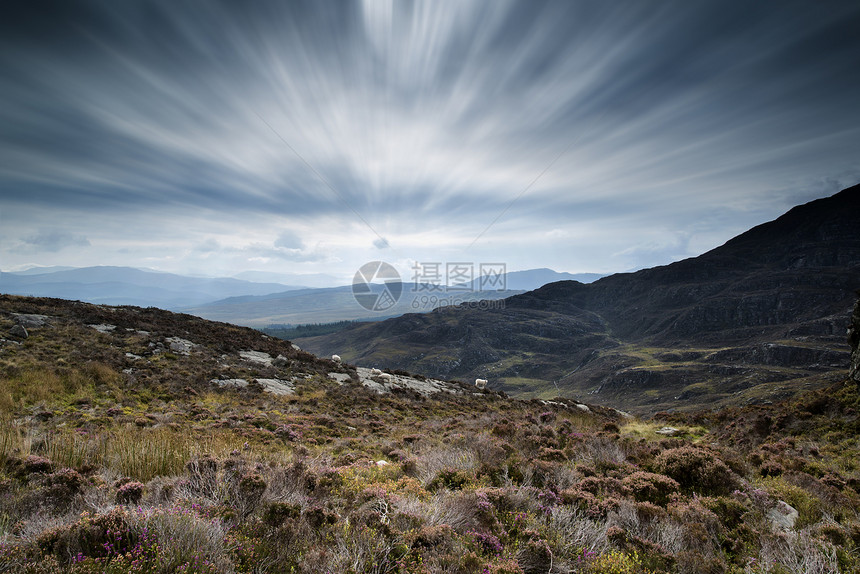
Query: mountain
(318,280)
(129,286)
(534,278)
(303,306)
(751,321)
(41,270)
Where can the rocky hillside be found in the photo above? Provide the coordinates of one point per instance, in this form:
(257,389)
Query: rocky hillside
(138,440)
(753,320)
(178,353)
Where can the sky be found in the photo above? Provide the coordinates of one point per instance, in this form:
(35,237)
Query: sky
(213,138)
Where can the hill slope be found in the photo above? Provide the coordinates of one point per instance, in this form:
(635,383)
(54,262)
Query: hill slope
(755,319)
(138,440)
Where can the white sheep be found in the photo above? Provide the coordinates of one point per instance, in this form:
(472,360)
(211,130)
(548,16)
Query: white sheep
(385,376)
(375,372)
(336,358)
(481,383)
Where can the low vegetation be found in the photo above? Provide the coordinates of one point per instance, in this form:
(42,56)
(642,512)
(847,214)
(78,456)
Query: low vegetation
(118,453)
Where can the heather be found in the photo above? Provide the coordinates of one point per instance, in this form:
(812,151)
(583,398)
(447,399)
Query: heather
(121,452)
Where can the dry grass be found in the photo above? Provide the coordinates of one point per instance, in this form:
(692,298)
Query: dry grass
(141,454)
(254,483)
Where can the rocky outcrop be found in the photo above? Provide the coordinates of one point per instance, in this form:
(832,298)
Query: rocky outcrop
(854,341)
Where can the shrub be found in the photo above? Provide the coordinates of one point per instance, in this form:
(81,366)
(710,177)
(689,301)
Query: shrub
(36,464)
(771,468)
(576,530)
(487,544)
(67,478)
(98,535)
(58,492)
(437,537)
(319,516)
(697,470)
(250,491)
(449,478)
(535,557)
(651,487)
(276,513)
(129,493)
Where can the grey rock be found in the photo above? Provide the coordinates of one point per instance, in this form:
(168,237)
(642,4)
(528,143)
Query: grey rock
(235,383)
(783,516)
(277,386)
(387,382)
(258,357)
(341,378)
(181,346)
(280,361)
(19,331)
(102,328)
(31,321)
(668,431)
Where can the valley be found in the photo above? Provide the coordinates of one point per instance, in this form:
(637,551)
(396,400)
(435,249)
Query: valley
(751,321)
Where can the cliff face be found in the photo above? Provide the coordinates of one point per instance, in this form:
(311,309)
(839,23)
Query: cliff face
(854,341)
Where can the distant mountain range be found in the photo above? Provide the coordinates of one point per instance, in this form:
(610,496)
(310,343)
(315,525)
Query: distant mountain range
(330,305)
(751,320)
(314,280)
(338,303)
(129,286)
(244,301)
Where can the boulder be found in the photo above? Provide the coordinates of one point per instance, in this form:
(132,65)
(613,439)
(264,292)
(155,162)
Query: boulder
(234,383)
(31,321)
(180,346)
(19,331)
(258,357)
(783,516)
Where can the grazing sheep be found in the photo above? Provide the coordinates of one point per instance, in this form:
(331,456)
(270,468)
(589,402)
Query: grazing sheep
(385,377)
(336,358)
(481,383)
(375,372)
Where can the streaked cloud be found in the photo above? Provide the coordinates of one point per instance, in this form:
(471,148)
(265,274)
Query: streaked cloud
(588,136)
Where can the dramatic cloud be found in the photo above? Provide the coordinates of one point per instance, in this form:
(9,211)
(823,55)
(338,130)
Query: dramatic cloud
(216,137)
